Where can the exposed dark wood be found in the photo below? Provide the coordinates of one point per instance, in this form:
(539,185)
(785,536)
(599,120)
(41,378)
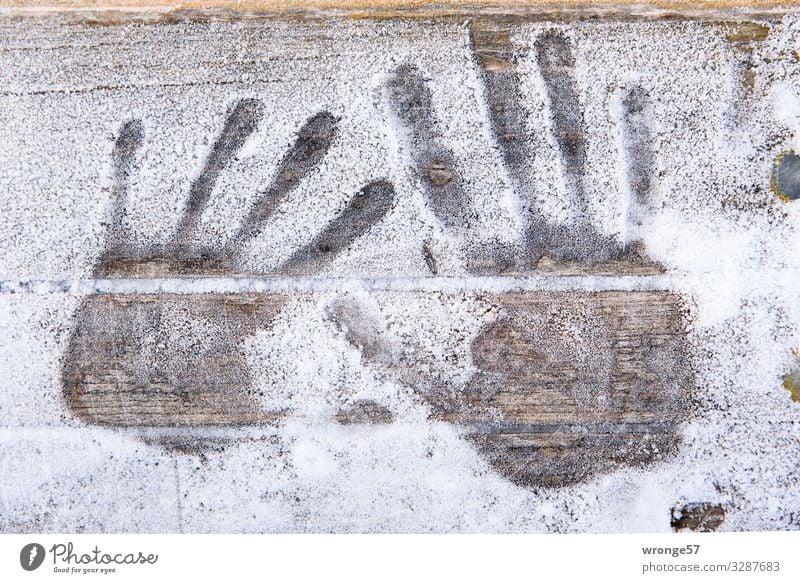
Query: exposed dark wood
(564,248)
(127,364)
(313,141)
(364,210)
(127,145)
(364,413)
(498,44)
(698,517)
(566,385)
(240,123)
(638,142)
(411,103)
(571,384)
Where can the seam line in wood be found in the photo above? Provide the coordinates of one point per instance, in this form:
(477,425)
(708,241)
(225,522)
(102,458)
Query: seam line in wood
(244,285)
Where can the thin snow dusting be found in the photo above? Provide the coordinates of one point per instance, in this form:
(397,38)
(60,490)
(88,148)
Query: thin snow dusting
(728,244)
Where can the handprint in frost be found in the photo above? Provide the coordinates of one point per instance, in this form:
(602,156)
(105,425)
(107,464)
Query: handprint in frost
(183,254)
(177,359)
(564,384)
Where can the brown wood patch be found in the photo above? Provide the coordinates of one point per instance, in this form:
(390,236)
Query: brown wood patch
(697,517)
(571,384)
(131,363)
(567,384)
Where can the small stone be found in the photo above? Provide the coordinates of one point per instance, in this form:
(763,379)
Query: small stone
(786,176)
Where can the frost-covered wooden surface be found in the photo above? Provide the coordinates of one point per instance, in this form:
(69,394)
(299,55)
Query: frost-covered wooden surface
(565,384)
(491,273)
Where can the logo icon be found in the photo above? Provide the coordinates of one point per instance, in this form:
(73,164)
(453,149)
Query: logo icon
(31,556)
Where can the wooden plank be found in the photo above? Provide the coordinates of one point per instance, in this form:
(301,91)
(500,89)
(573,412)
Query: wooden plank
(130,364)
(547,248)
(577,248)
(566,384)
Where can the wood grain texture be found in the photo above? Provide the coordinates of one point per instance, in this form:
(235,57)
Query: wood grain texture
(133,362)
(563,386)
(698,517)
(545,249)
(548,248)
(566,384)
(571,384)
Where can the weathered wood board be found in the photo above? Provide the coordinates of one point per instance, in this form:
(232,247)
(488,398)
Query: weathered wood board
(130,364)
(565,384)
(548,247)
(399,266)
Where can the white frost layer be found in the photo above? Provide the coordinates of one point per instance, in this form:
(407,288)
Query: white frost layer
(232,285)
(731,247)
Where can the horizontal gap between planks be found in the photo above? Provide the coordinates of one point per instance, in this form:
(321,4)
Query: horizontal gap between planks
(245,285)
(260,431)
